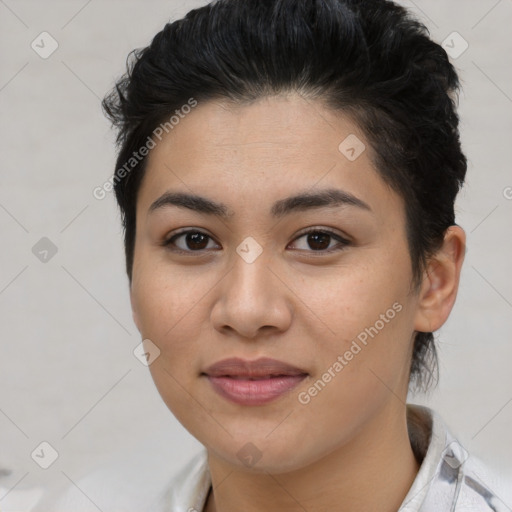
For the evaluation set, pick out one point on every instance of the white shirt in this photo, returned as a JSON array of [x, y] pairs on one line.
[[449, 480]]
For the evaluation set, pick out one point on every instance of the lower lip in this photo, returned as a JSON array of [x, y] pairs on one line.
[[254, 392]]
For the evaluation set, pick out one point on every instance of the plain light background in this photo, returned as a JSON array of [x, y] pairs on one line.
[[68, 375]]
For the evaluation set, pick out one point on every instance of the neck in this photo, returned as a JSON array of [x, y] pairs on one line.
[[374, 471]]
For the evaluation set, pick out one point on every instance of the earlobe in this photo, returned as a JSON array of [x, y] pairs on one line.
[[440, 283]]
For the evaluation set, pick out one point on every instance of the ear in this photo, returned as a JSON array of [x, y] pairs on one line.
[[440, 283]]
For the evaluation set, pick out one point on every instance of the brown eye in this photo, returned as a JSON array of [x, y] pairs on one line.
[[190, 241], [196, 241], [320, 241]]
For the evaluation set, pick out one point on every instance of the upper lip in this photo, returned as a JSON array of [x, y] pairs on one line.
[[262, 367]]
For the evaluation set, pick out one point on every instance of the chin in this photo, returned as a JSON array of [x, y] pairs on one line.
[[260, 455]]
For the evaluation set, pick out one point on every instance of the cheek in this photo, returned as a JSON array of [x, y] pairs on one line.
[[359, 372], [168, 306], [365, 315], [164, 296], [172, 304], [346, 300]]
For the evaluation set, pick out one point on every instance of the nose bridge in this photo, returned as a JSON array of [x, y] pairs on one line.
[[251, 296], [250, 277]]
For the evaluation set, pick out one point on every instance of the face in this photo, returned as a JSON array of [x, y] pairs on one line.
[[323, 285]]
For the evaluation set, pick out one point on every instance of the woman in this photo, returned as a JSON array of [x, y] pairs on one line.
[[287, 172]]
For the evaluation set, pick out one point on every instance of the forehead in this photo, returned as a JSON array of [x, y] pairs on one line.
[[252, 154]]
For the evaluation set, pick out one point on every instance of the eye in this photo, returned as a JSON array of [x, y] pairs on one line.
[[190, 241], [315, 240], [319, 240]]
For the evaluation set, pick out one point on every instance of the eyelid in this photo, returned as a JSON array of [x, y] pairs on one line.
[[168, 241], [344, 241], [322, 229], [183, 231]]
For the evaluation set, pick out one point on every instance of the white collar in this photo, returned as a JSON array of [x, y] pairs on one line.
[[446, 480]]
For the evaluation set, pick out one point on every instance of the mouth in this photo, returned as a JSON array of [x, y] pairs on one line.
[[253, 382], [244, 377]]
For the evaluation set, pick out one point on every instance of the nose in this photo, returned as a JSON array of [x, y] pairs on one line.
[[252, 301]]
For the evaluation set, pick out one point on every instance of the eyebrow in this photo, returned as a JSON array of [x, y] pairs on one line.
[[302, 202]]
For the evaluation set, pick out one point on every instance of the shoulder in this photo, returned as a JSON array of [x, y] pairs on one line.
[[482, 488], [120, 487], [101, 489], [189, 488], [450, 478]]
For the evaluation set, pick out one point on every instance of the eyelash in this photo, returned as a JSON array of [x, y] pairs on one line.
[[342, 242]]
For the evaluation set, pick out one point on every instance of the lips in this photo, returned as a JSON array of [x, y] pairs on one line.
[[253, 382], [258, 369]]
